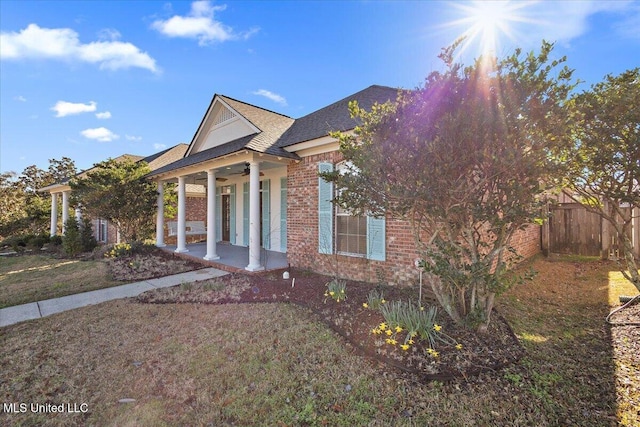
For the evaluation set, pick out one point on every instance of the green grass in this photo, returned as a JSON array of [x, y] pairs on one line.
[[30, 278]]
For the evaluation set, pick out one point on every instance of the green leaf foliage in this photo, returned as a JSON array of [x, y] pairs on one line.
[[467, 159], [604, 159], [118, 191]]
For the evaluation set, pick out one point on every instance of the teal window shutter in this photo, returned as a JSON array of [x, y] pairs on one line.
[[283, 214], [266, 214], [325, 211], [245, 214], [232, 220], [375, 238], [218, 214]]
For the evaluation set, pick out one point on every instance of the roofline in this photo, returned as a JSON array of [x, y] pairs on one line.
[[221, 98]]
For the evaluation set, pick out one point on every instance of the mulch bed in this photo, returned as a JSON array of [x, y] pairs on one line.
[[496, 349]]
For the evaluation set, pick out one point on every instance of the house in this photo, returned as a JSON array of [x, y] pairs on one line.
[[104, 231], [260, 170]]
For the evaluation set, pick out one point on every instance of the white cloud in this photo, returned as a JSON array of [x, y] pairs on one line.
[[20, 98], [64, 108], [133, 138], [99, 134], [272, 96], [104, 115], [63, 44], [200, 24], [159, 146]]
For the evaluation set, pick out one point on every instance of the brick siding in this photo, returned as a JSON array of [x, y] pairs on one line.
[[399, 267], [196, 208]]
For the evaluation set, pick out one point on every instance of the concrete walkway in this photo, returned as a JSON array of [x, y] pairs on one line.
[[36, 310]]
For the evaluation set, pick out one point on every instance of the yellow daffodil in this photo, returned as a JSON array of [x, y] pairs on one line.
[[398, 329], [365, 305], [383, 326], [435, 354], [411, 342], [332, 293], [437, 327], [405, 347], [388, 332], [376, 331], [382, 301], [459, 346]]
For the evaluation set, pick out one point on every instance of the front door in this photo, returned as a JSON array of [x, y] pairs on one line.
[[226, 218]]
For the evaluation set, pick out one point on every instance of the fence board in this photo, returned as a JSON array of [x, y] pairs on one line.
[[574, 230]]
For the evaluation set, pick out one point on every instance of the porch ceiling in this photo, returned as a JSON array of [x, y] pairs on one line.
[[227, 167]]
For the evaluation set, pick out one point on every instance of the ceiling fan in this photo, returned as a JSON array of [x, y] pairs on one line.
[[247, 171]]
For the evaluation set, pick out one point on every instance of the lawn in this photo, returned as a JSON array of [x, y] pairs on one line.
[[31, 278], [278, 364]]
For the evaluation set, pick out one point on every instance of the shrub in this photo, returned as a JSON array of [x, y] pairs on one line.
[[56, 240], [72, 239], [86, 236]]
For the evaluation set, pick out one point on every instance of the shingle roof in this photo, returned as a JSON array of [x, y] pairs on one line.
[[335, 117], [165, 157], [278, 131]]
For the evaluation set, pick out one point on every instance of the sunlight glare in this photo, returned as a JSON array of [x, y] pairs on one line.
[[486, 23]]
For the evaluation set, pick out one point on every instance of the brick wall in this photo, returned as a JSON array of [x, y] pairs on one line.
[[398, 269], [196, 208]]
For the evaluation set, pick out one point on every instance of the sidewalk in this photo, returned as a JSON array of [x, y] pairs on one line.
[[36, 310]]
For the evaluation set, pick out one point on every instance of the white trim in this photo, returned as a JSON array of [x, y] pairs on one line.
[[205, 121], [315, 143]]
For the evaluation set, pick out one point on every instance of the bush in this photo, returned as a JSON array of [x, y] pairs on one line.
[[87, 238], [26, 241], [72, 239]]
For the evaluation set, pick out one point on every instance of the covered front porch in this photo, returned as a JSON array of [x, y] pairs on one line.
[[233, 258]]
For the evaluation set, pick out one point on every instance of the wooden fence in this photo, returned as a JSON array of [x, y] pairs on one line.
[[572, 229]]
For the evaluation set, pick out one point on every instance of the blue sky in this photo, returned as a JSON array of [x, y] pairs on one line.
[[92, 80]]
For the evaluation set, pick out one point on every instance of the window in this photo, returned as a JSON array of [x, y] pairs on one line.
[[101, 230], [351, 230], [341, 232]]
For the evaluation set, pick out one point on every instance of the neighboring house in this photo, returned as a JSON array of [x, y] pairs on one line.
[[104, 231], [260, 171]]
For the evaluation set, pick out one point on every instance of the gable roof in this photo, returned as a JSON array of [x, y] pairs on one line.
[[336, 116], [271, 126], [277, 131]]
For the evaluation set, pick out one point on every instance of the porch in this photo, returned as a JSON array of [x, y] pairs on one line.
[[233, 258]]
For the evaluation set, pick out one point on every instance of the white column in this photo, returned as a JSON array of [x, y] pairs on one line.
[[54, 213], [636, 231], [78, 212], [211, 216], [65, 210], [160, 217], [254, 217], [182, 216]]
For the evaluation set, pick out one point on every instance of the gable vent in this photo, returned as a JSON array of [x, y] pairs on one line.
[[223, 116]]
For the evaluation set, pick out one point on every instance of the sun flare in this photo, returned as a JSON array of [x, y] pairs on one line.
[[486, 23]]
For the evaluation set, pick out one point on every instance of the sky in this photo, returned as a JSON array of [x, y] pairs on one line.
[[90, 80]]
